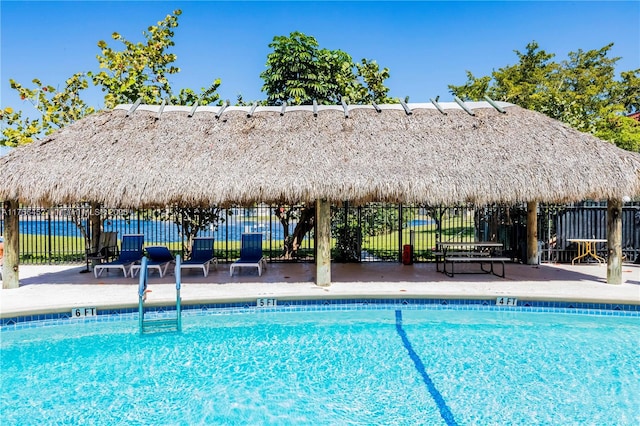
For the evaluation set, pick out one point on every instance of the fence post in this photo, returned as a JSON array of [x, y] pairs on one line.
[[226, 235], [532, 233], [94, 228], [400, 233], [49, 237]]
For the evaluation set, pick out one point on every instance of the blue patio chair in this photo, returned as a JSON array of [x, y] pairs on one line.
[[159, 258], [250, 254], [130, 253], [201, 256]]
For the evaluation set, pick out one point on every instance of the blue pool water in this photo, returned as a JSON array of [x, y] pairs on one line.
[[334, 367]]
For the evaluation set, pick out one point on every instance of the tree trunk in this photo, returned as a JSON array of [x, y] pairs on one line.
[[305, 224]]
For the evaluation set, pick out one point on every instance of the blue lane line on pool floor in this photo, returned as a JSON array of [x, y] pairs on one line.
[[437, 397]]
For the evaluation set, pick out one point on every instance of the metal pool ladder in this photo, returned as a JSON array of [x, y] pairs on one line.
[[159, 324]]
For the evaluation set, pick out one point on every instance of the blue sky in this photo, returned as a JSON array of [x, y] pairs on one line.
[[425, 44]]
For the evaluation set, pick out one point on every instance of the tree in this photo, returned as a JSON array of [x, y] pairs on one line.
[[138, 71], [305, 215], [373, 78], [141, 70], [580, 91], [190, 221], [629, 90], [57, 108], [623, 131], [299, 72]]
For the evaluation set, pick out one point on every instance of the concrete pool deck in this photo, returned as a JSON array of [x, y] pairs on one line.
[[59, 288]]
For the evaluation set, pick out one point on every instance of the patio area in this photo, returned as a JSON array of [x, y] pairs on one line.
[[52, 289]]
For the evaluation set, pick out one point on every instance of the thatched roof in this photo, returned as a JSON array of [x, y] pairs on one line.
[[158, 156]]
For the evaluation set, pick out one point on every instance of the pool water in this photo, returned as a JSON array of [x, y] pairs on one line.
[[334, 367]]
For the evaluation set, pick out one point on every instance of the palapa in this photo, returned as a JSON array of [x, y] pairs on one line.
[[241, 155]]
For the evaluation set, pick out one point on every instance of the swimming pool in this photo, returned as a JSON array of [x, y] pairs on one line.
[[336, 367]]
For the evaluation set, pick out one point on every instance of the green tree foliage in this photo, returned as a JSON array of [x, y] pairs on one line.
[[373, 78], [629, 90], [581, 91], [299, 72], [138, 71], [57, 108], [624, 131], [141, 70], [190, 221]]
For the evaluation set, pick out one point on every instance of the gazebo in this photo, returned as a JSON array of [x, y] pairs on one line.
[[140, 156]]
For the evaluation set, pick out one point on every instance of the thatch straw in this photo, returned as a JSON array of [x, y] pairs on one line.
[[141, 160]]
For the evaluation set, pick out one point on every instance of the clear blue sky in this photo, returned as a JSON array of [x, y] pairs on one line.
[[426, 45]]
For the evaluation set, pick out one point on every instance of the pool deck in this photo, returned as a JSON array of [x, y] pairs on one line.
[[59, 288]]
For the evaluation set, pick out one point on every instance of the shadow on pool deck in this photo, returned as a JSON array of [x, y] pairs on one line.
[[57, 288]]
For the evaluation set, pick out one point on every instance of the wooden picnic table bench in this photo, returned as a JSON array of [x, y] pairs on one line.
[[469, 252], [482, 260]]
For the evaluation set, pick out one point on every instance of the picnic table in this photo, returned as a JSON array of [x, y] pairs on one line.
[[482, 252]]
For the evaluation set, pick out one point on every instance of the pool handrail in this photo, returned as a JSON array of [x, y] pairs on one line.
[[178, 299], [142, 289]]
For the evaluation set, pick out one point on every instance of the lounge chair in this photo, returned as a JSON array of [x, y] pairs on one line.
[[250, 254], [107, 249], [130, 253], [159, 258], [201, 256]]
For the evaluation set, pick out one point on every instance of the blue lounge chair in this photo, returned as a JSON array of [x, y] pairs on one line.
[[159, 258], [201, 256], [130, 253], [250, 254]]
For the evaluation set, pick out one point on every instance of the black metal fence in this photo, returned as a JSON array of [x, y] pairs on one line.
[[373, 232], [557, 224]]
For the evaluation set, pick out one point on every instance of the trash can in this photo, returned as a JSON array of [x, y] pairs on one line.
[[407, 254]]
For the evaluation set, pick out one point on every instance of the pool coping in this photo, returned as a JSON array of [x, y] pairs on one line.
[[58, 290], [502, 304]]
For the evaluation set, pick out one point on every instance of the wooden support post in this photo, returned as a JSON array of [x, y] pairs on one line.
[[532, 233], [10, 262], [323, 243], [614, 241]]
